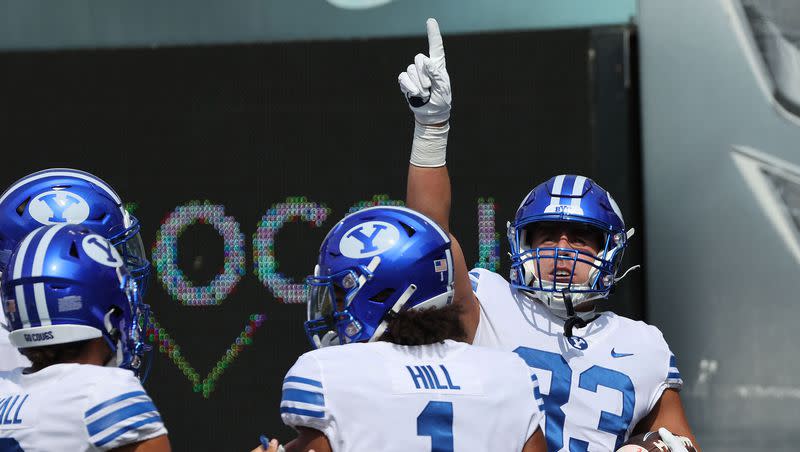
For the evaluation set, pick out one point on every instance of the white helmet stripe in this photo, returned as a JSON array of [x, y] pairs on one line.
[[38, 267], [64, 172], [577, 190], [22, 307], [41, 304], [450, 269]]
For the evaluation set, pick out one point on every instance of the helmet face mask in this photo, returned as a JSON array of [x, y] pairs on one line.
[[131, 247], [328, 306], [567, 245], [134, 334], [372, 265]]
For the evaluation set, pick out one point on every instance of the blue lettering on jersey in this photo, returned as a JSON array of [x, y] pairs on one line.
[[449, 381], [417, 377], [430, 379], [11, 404]]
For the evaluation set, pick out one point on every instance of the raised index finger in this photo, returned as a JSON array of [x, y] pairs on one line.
[[435, 44]]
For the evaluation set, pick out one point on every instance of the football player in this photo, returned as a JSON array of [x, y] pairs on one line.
[[398, 376], [75, 312], [603, 376], [61, 196]]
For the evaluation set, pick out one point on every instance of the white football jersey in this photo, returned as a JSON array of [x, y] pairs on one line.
[[441, 397], [10, 357], [74, 407], [597, 387]]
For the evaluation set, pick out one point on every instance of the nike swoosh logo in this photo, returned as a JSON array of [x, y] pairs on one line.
[[619, 355]]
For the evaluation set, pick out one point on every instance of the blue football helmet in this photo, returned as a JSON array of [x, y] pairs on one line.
[[65, 283], [548, 273], [60, 196], [372, 265]]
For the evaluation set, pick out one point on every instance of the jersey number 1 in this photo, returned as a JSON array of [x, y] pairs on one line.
[[11, 445], [436, 421]]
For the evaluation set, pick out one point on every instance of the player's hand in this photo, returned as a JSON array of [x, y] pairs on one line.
[[674, 443], [272, 446], [426, 83]]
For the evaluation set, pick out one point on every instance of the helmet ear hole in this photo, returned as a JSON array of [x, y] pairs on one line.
[[383, 295], [409, 230], [100, 217], [73, 251], [21, 207]]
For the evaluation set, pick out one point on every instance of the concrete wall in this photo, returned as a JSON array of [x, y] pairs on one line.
[[720, 160]]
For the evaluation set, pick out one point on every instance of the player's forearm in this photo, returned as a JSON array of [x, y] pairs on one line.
[[428, 192], [668, 412]]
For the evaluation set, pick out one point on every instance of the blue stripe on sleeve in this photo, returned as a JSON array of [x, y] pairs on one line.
[[307, 381], [674, 375], [475, 274], [119, 415], [116, 399], [474, 285], [672, 361], [299, 395], [124, 430], [302, 412]]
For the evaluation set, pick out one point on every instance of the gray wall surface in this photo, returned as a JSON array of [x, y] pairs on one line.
[[720, 165], [56, 24]]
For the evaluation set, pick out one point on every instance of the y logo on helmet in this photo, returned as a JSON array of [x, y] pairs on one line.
[[59, 206], [98, 248], [369, 239]]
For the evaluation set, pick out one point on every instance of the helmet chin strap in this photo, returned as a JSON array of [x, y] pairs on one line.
[[572, 319]]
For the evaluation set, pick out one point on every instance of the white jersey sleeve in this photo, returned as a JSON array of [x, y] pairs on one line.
[[667, 365], [120, 412], [10, 357], [303, 397], [75, 407], [538, 415]]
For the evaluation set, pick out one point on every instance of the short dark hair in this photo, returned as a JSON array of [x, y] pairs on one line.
[[48, 355], [426, 326]]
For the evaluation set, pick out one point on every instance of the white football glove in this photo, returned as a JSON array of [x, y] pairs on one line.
[[675, 443], [426, 83]]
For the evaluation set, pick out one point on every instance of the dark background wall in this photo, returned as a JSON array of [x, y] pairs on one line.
[[253, 129]]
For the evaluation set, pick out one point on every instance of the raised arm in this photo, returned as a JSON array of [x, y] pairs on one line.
[[426, 85]]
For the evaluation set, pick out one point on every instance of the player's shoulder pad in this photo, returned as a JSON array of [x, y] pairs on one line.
[[646, 334], [118, 410], [479, 276], [303, 401], [652, 340]]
